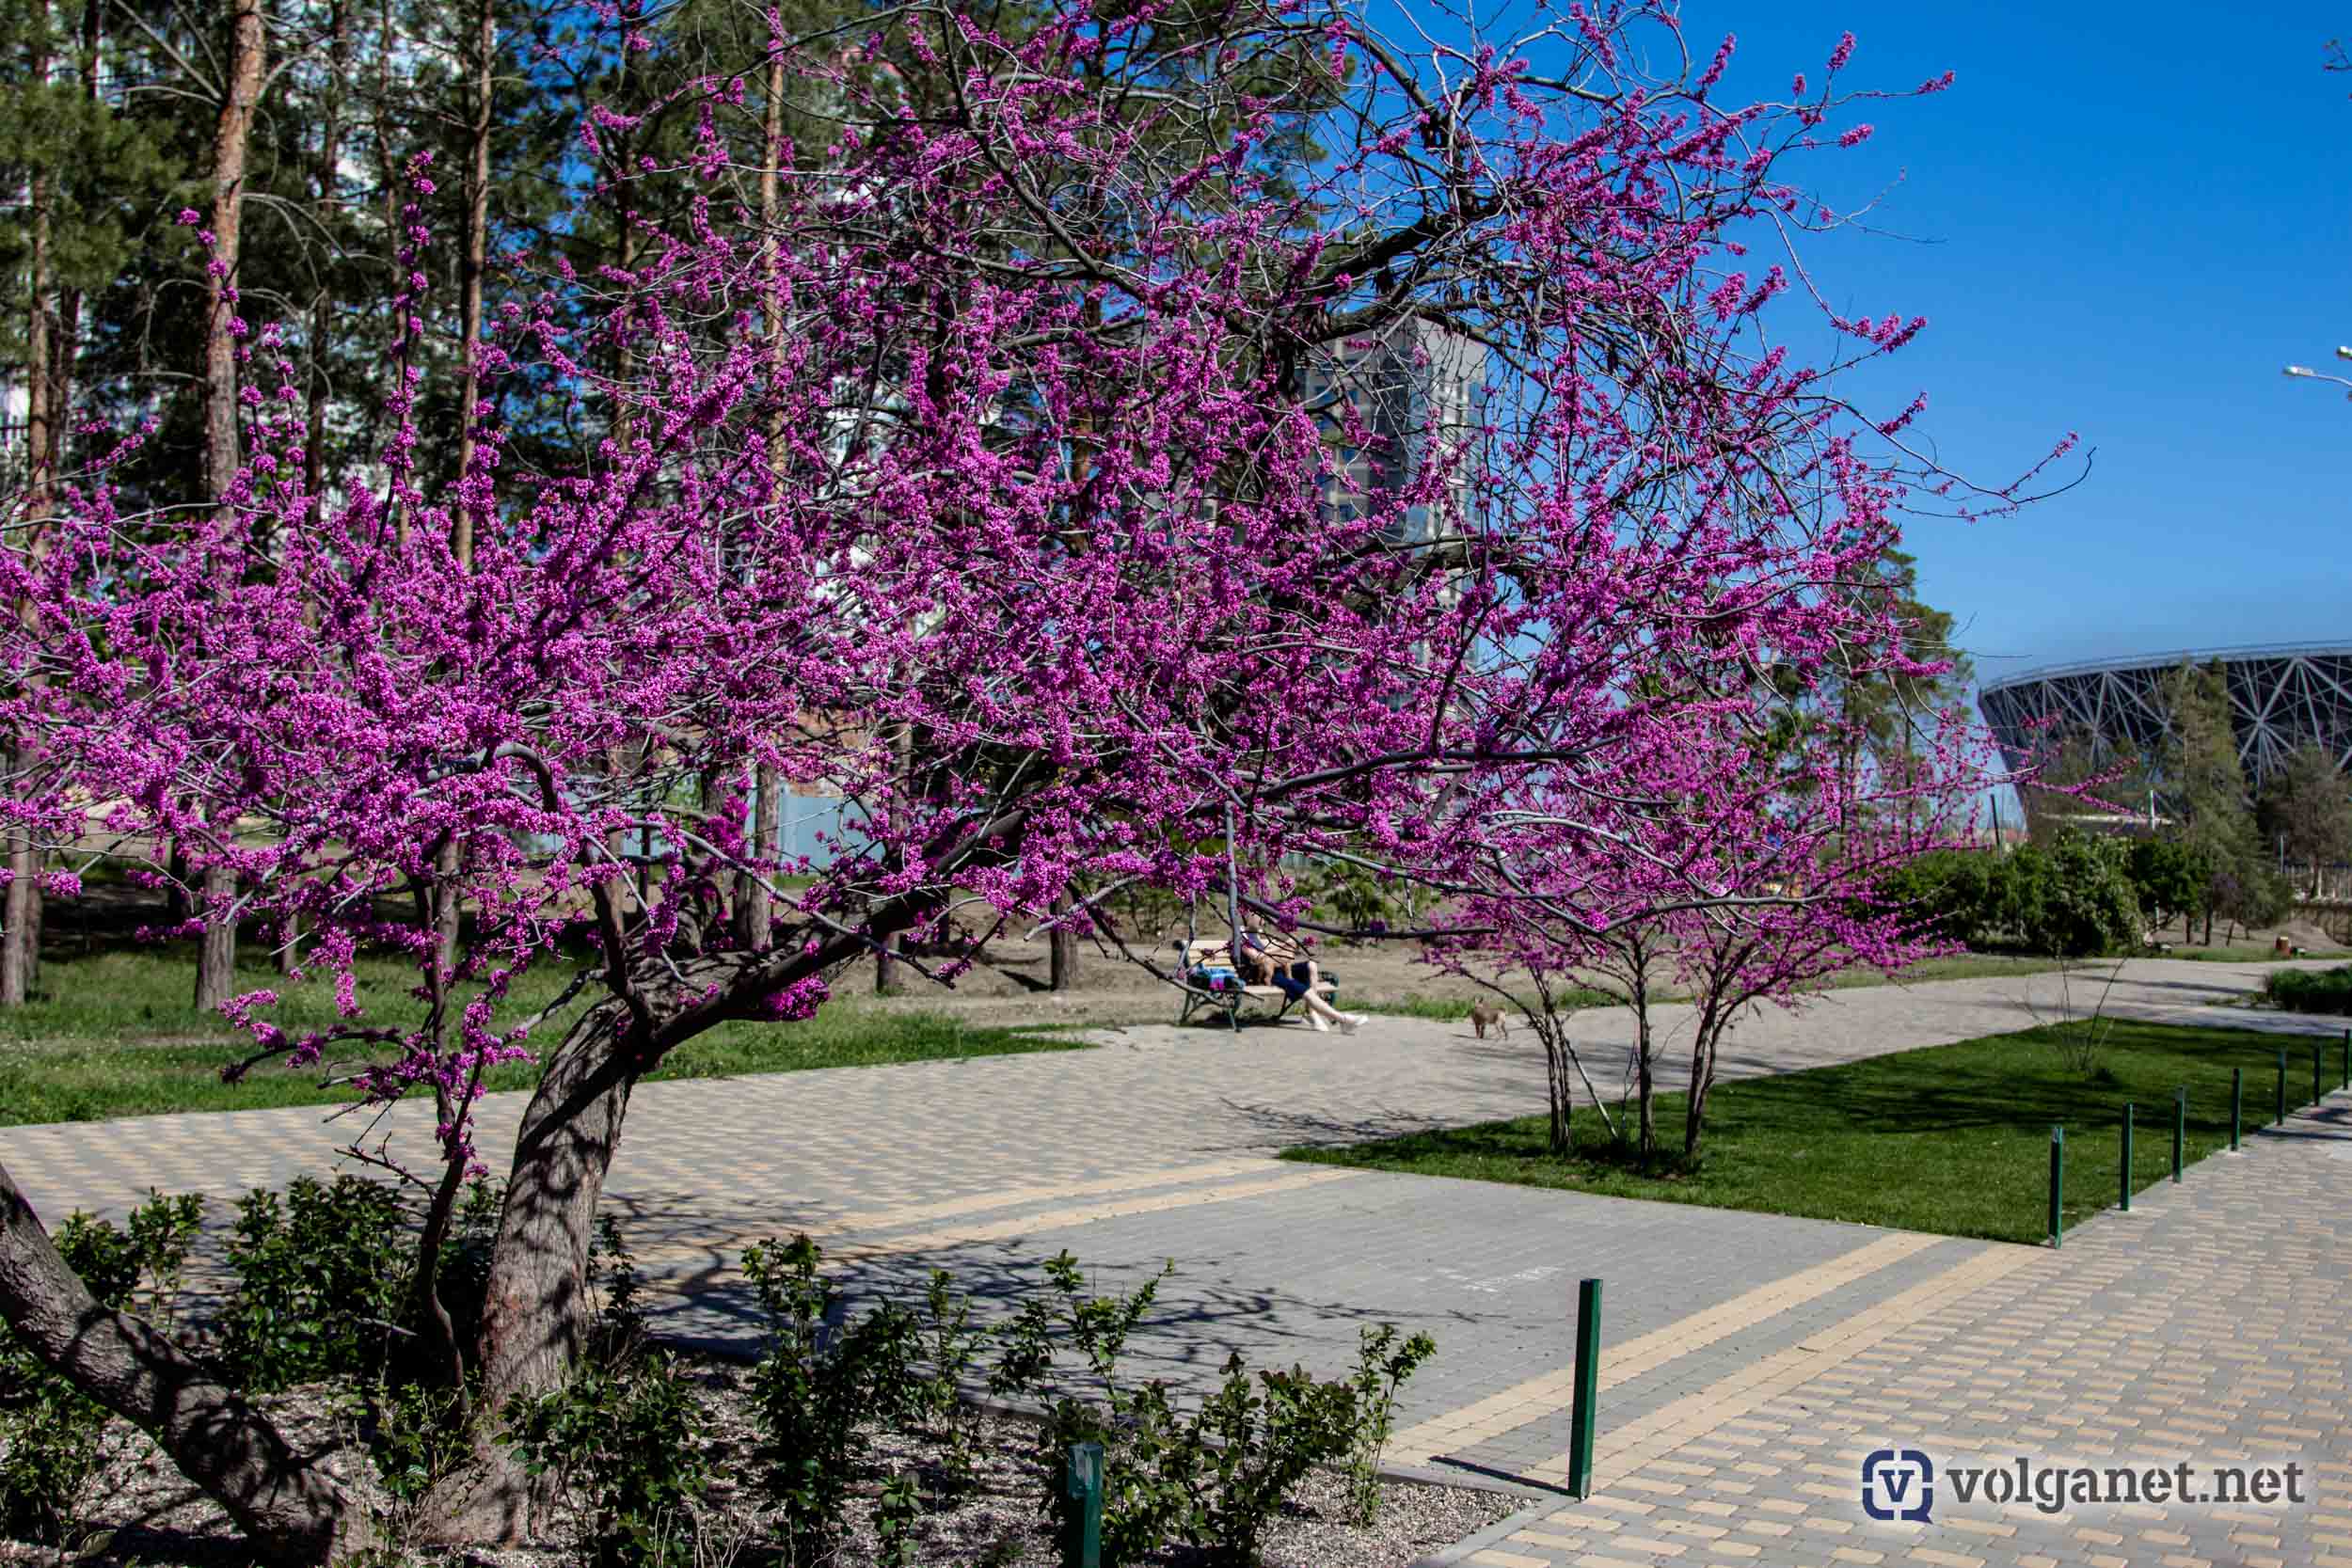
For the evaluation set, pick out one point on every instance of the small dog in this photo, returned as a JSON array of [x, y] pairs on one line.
[[1483, 1014]]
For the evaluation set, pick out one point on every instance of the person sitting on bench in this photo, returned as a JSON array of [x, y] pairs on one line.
[[1275, 961]]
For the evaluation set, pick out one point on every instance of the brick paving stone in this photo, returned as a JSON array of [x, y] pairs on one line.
[[1763, 1356]]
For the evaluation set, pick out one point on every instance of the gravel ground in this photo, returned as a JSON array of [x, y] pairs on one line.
[[140, 1513]]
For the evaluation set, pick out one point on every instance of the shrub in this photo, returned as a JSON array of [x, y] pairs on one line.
[[1382, 1366], [1216, 1479], [814, 1389], [2169, 878], [627, 1442], [320, 1283], [53, 1439], [2311, 990], [1950, 892], [2072, 900]]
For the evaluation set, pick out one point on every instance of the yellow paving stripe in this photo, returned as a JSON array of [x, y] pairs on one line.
[[1006, 1198], [1547, 1395], [1692, 1417], [841, 1250], [1064, 1219]]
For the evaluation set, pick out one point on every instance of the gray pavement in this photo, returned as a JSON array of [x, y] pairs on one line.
[[1751, 1350]]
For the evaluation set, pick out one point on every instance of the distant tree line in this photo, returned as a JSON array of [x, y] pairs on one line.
[[2210, 847]]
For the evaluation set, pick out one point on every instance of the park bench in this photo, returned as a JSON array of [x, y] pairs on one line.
[[1210, 979]]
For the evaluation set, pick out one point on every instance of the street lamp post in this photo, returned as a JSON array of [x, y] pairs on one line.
[[2305, 372]]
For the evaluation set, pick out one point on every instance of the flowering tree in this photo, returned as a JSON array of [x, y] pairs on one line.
[[1739, 857], [977, 475]]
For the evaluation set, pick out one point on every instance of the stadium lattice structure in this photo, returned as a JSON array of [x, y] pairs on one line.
[[2282, 697]]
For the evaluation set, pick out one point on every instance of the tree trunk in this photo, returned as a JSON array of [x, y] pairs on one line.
[[215, 971], [216, 959], [19, 920], [1558, 1091], [18, 941], [1707, 1030], [293, 1513], [535, 1310], [230, 137], [754, 921], [1062, 950], [1646, 1078], [470, 294]]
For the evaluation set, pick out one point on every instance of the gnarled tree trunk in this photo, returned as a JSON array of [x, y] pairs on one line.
[[293, 1511]]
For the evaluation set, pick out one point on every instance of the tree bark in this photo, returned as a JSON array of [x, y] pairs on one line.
[[534, 1315], [216, 970], [470, 291], [18, 921], [753, 919], [216, 955], [293, 1513], [1646, 1069], [1062, 950], [1706, 1031]]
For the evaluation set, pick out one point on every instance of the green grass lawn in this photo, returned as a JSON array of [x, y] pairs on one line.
[[1952, 1138], [1960, 966], [113, 1035], [2250, 953]]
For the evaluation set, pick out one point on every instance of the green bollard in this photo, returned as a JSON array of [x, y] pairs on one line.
[[2283, 1086], [2180, 1127], [2127, 1156], [1082, 1526], [2237, 1104], [2058, 1187], [1581, 1413]]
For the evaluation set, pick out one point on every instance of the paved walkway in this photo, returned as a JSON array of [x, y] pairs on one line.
[[1743, 1351], [2206, 1327]]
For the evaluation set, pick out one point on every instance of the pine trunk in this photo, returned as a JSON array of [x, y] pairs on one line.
[[292, 1512], [469, 292], [216, 970], [19, 918]]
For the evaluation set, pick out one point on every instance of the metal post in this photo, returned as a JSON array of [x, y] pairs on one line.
[[1082, 1530], [2237, 1102], [2180, 1127], [2347, 1058], [2318, 1068], [2058, 1186], [2127, 1156], [1581, 1413], [2283, 1085]]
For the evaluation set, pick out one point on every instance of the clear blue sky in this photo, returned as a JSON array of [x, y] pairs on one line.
[[2122, 221]]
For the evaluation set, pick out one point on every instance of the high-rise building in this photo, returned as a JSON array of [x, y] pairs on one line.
[[1415, 390]]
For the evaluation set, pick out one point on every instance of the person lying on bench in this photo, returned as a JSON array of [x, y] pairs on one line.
[[1275, 961]]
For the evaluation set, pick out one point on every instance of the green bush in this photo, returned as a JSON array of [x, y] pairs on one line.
[[815, 1389], [52, 1439], [627, 1442], [1217, 1477], [321, 1281], [2311, 990], [1950, 892], [2073, 899], [2169, 878]]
